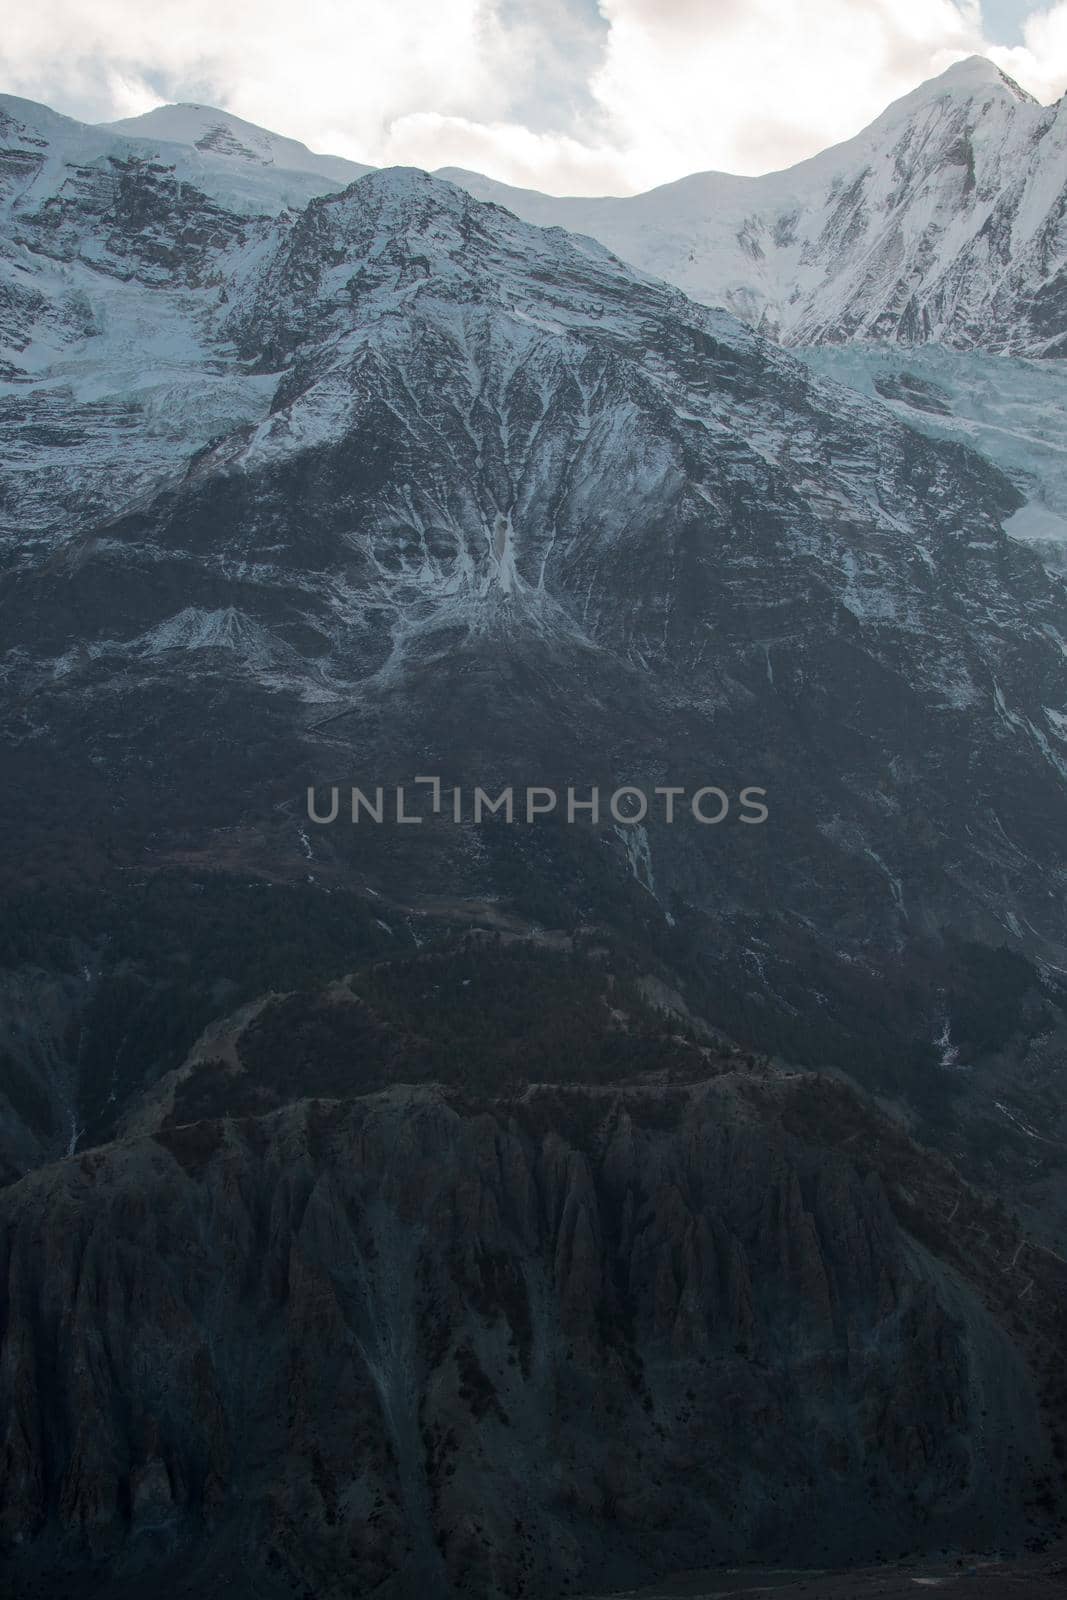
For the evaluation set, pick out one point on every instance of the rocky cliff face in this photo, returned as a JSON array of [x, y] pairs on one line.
[[566, 1340]]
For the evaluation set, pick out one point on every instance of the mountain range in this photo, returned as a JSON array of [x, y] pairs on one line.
[[939, 228], [347, 1167], [944, 220]]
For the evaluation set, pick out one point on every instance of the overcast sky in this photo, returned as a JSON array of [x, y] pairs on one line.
[[571, 96]]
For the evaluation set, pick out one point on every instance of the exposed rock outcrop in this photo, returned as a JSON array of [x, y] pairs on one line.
[[507, 1348]]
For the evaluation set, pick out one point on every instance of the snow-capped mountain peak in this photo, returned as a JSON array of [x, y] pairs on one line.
[[245, 169], [943, 220], [972, 74], [211, 130]]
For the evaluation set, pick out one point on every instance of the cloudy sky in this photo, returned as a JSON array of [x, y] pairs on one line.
[[572, 96]]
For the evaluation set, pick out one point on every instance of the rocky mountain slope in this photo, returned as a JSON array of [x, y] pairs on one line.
[[512, 1344], [394, 484], [486, 503]]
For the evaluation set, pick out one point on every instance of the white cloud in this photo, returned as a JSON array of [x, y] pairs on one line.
[[319, 64], [507, 151], [1040, 62], [548, 93], [758, 84]]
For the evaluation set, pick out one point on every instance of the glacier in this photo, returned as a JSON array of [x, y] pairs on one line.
[[1011, 409]]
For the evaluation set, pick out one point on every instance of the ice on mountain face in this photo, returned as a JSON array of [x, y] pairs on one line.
[[43, 147], [1044, 528], [113, 371], [112, 392], [1013, 411]]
